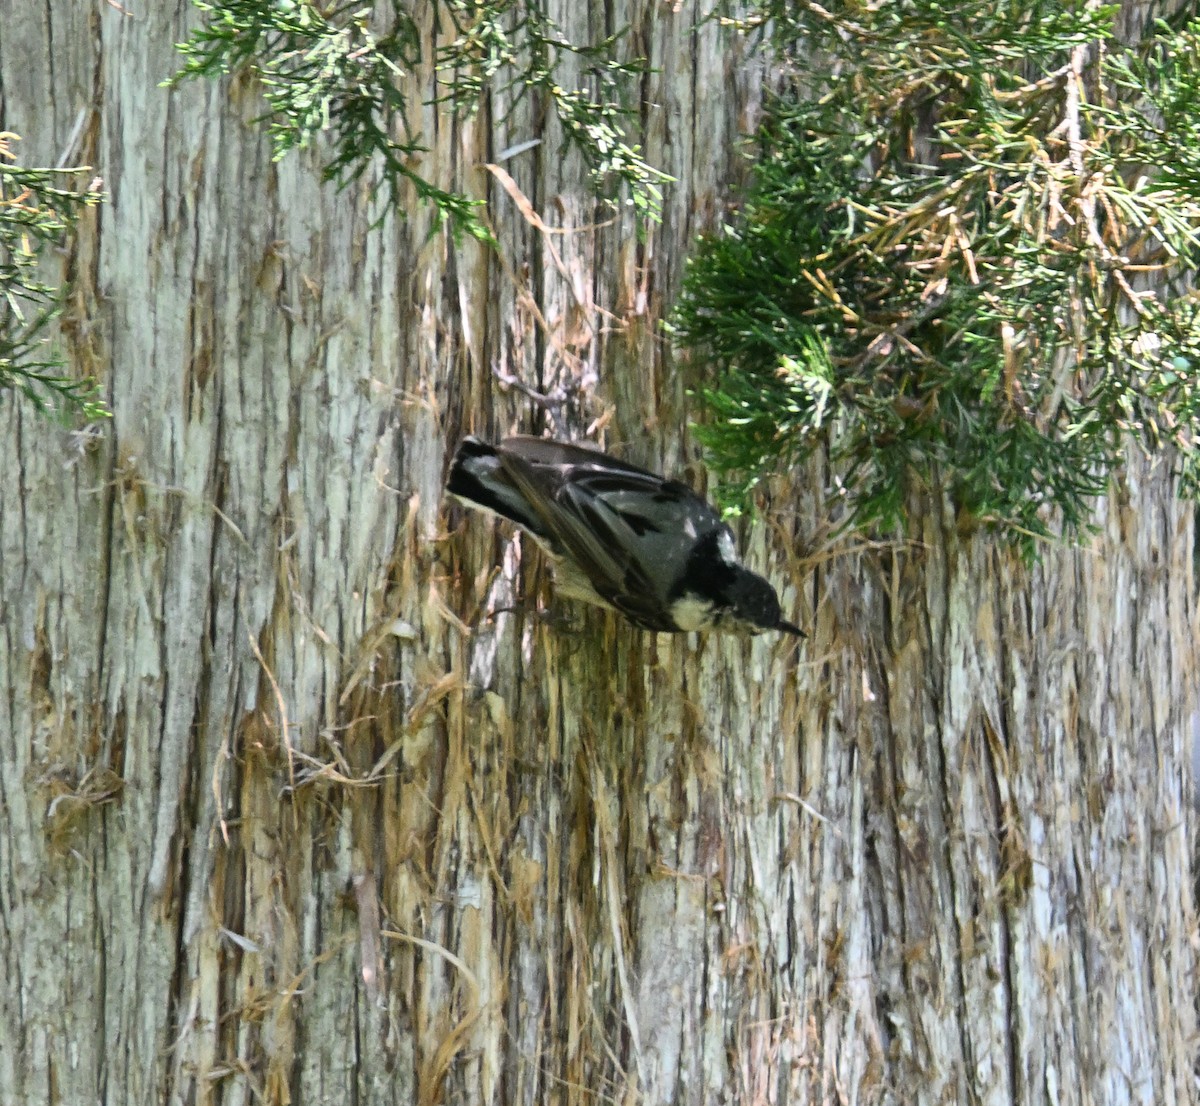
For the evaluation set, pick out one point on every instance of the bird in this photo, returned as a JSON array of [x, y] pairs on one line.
[[620, 537]]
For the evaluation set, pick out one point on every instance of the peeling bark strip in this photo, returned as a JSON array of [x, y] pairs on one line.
[[293, 809]]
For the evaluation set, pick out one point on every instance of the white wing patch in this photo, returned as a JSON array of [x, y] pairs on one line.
[[726, 550]]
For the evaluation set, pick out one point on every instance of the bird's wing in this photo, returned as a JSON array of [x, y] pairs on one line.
[[628, 530], [542, 452]]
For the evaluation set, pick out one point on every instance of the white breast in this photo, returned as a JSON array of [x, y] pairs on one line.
[[692, 613]]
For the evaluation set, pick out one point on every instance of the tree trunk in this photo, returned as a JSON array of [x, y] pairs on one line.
[[293, 808]]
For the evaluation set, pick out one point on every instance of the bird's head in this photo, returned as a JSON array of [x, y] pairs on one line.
[[753, 605]]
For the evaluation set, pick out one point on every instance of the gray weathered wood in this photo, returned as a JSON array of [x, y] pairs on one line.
[[292, 810]]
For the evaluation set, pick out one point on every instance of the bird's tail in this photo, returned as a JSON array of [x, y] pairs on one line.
[[477, 476]]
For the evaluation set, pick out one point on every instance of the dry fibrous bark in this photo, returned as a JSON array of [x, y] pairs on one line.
[[292, 808]]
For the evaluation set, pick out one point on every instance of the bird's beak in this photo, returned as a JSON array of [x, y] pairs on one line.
[[790, 628]]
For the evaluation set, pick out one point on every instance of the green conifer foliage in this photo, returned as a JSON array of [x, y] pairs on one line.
[[962, 266]]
